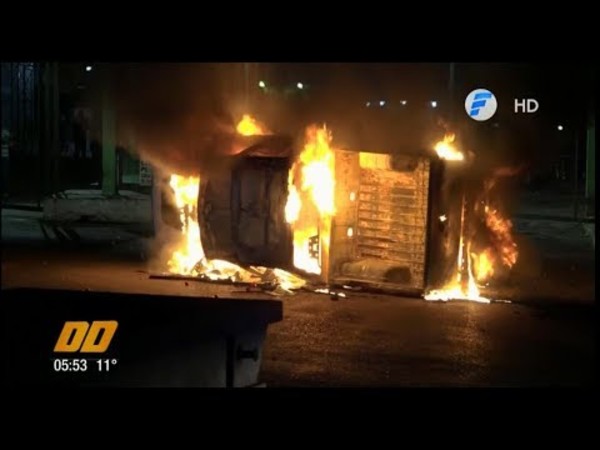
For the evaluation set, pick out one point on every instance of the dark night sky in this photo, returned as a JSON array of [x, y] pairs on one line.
[[559, 86], [172, 102]]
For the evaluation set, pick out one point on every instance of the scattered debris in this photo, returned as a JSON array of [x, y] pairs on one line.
[[279, 290], [334, 295], [255, 279]]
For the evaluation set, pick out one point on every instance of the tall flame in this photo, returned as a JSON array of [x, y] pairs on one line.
[[316, 162], [501, 232], [462, 285], [249, 126], [311, 200], [472, 267], [190, 252]]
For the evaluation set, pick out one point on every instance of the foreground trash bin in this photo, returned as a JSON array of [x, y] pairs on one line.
[[75, 338]]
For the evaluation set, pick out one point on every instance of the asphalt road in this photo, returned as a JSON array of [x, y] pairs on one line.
[[365, 340]]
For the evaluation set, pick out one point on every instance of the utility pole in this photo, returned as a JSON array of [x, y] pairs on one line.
[[50, 119]]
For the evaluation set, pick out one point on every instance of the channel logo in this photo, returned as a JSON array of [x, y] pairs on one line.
[[481, 105], [81, 337]]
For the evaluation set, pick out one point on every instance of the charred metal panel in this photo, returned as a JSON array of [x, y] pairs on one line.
[[215, 216], [242, 210], [380, 232], [259, 194]]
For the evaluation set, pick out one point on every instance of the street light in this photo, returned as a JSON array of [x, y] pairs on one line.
[[382, 103], [88, 68], [262, 84], [434, 104], [368, 104], [403, 102], [560, 128], [300, 85]]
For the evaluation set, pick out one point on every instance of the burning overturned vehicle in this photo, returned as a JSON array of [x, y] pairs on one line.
[[311, 216], [183, 208]]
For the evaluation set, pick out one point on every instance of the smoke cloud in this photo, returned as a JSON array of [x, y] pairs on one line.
[[183, 116], [177, 114]]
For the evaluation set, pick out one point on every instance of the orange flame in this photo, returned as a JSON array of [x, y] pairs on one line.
[[311, 199], [462, 285], [249, 126], [479, 267], [501, 231], [189, 252], [445, 149], [293, 205], [483, 264]]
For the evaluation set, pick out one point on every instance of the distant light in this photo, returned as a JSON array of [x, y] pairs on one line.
[[560, 128], [434, 104], [443, 218], [368, 104], [300, 86], [350, 232], [403, 102], [88, 68], [262, 84], [382, 103]]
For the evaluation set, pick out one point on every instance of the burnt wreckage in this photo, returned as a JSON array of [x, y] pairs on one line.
[[382, 234]]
